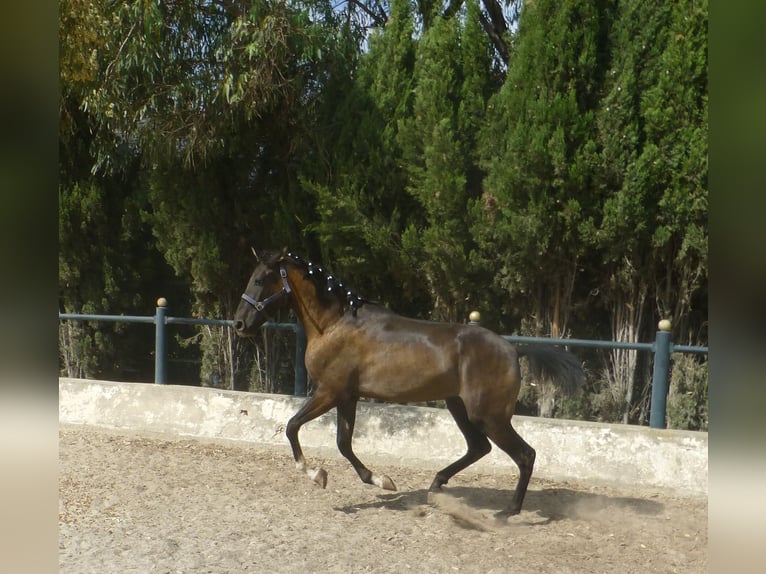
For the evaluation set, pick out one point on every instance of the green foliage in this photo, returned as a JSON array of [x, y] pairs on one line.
[[553, 177], [676, 119], [273, 371], [193, 115], [687, 404], [104, 267], [538, 151], [405, 167], [652, 178], [653, 134], [438, 142], [362, 207]]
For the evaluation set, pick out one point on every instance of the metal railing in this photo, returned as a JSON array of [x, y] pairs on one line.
[[161, 319], [661, 348]]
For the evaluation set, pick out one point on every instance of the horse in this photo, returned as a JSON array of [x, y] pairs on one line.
[[356, 348]]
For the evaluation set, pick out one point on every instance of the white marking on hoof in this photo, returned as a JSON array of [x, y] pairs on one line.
[[319, 476], [383, 482]]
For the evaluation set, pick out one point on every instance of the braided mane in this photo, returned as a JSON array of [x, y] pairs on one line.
[[327, 284]]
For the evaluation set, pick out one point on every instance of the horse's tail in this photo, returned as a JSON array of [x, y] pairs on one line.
[[556, 364]]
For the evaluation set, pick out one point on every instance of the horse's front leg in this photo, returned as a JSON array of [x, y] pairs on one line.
[[346, 419], [315, 406]]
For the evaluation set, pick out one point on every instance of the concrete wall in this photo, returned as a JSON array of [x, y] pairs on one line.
[[621, 455]]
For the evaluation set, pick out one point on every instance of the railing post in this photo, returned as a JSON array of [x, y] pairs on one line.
[[159, 342], [300, 361], [660, 385]]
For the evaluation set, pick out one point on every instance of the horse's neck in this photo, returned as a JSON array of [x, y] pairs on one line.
[[316, 319]]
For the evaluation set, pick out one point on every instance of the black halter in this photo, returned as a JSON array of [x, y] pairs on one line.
[[261, 305]]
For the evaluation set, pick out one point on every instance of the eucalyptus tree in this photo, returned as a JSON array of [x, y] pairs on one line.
[[208, 104], [104, 261]]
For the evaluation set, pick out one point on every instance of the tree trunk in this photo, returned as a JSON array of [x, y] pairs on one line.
[[626, 317]]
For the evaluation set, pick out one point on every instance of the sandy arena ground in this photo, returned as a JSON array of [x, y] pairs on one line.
[[145, 504]]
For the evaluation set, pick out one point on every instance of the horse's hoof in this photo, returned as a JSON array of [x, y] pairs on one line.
[[507, 513], [383, 482], [320, 477], [388, 484], [436, 485]]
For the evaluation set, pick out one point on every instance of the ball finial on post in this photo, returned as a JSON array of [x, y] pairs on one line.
[[474, 317], [162, 302], [665, 325]]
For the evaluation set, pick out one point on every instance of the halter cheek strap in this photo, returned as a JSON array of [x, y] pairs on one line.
[[261, 305]]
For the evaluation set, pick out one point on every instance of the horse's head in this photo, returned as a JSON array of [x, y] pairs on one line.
[[267, 286]]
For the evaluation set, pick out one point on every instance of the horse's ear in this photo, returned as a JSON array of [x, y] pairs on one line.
[[257, 258], [283, 253]]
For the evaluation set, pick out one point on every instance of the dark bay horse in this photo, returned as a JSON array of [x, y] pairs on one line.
[[356, 348]]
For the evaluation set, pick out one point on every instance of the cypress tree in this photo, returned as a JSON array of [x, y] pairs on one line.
[[538, 151], [451, 78], [652, 127], [361, 198]]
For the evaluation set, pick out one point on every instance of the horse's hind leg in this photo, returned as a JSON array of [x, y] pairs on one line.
[[477, 442], [505, 436], [315, 406], [346, 419]]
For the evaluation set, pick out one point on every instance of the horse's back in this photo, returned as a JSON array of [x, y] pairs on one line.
[[407, 360], [389, 357]]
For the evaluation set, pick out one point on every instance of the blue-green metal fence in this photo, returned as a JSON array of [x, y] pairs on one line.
[[161, 319], [661, 348]]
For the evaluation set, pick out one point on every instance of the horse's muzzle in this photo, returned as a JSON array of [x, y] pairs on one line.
[[242, 330]]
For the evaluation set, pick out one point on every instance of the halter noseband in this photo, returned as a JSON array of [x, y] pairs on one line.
[[261, 305]]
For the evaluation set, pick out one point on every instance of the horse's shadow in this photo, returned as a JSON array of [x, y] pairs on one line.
[[549, 504]]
